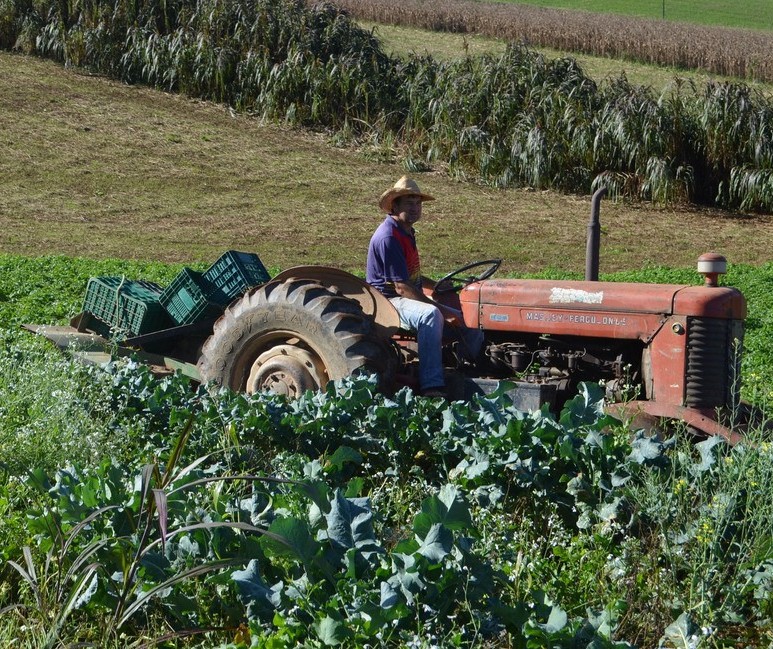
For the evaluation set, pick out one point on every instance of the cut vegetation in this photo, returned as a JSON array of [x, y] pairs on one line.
[[518, 119]]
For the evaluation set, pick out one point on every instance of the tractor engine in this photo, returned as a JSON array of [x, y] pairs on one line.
[[565, 362]]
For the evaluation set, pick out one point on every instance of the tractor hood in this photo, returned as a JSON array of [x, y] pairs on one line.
[[588, 296], [571, 305]]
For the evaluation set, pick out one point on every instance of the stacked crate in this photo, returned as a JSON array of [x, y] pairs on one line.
[[126, 308], [193, 296]]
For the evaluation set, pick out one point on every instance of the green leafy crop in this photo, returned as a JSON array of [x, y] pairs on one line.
[[131, 504]]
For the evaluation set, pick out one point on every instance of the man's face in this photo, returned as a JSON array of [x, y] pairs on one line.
[[407, 209]]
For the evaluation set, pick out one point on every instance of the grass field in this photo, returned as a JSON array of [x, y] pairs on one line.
[[752, 14], [95, 168]]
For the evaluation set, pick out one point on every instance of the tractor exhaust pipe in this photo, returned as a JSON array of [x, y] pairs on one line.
[[594, 238]]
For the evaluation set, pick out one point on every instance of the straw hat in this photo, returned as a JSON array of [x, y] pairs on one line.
[[403, 187]]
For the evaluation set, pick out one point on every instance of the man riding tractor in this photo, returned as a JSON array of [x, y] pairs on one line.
[[394, 269]]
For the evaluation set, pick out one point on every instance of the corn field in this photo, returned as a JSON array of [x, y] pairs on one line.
[[518, 119], [742, 53]]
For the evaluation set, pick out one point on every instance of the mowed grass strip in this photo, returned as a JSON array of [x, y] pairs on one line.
[[95, 168], [750, 14], [401, 40]]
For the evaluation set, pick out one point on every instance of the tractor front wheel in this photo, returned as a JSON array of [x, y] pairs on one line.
[[290, 337]]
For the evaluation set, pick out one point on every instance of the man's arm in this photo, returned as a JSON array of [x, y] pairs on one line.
[[405, 289]]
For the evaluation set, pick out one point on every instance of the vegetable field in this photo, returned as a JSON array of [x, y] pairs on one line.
[[138, 511]]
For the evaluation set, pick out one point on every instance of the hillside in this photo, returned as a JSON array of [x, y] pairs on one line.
[[719, 49], [97, 168]]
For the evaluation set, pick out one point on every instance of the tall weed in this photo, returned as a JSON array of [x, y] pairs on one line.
[[710, 518]]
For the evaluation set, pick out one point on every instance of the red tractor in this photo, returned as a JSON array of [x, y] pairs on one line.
[[662, 351]]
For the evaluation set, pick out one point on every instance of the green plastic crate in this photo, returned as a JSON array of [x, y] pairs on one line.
[[235, 272], [191, 298], [126, 307]]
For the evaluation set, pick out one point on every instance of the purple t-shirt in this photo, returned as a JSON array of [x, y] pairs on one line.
[[392, 257]]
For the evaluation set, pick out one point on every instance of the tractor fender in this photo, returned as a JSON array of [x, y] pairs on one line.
[[374, 305]]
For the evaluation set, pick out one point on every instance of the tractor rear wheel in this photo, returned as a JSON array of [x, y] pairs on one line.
[[290, 337]]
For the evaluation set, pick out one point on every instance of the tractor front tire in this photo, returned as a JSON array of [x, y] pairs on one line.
[[290, 337]]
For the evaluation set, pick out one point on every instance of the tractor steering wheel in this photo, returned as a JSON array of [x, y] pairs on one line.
[[454, 283]]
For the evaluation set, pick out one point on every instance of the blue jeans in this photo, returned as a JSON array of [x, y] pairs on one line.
[[427, 321]]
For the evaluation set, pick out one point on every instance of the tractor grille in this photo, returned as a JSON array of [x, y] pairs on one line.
[[713, 362]]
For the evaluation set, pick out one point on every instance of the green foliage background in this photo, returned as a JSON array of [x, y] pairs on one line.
[[512, 120]]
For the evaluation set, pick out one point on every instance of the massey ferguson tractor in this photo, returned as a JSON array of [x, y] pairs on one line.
[[662, 351]]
